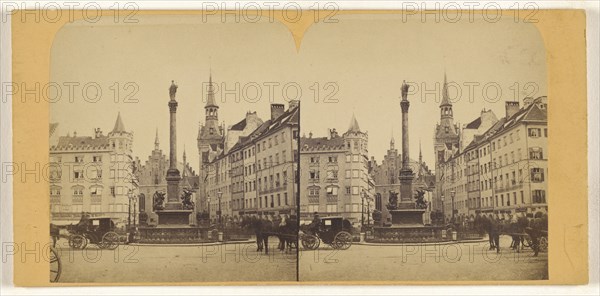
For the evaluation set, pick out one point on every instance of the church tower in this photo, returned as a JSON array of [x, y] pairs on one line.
[[446, 140], [210, 135]]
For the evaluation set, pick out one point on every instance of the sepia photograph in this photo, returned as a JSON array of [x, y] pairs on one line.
[[178, 152], [175, 159], [430, 163], [311, 147]]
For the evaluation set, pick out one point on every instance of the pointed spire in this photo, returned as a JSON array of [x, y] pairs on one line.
[[354, 125], [183, 172], [156, 143], [119, 127], [210, 97], [420, 153], [445, 97], [392, 140]]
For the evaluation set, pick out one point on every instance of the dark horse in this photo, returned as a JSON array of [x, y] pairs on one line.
[[287, 233], [262, 229], [493, 228]]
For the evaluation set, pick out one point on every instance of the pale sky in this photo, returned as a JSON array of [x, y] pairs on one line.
[[365, 57]]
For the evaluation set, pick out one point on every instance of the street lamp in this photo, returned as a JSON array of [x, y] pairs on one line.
[[219, 195], [452, 194], [362, 209], [443, 208], [209, 213], [130, 197], [134, 210], [368, 212]]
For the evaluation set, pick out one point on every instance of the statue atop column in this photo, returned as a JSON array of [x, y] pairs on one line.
[[172, 90]]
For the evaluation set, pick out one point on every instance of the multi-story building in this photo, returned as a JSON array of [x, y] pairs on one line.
[[276, 157], [218, 186], [256, 175], [335, 174], [151, 178], [502, 170], [454, 180], [78, 179]]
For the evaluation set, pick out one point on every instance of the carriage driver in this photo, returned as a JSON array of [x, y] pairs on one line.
[[315, 224]]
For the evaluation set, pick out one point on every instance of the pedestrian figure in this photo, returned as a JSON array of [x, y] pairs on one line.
[[495, 233], [55, 233], [534, 233]]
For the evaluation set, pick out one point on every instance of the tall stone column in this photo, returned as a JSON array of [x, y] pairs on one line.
[[406, 174], [173, 176]]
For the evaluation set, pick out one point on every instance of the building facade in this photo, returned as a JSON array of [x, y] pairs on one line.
[[93, 174], [503, 170], [151, 179], [335, 175], [256, 175]]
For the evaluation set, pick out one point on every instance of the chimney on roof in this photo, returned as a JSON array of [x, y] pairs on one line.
[[310, 135], [293, 104], [97, 133], [512, 107], [333, 133], [277, 110], [527, 101]]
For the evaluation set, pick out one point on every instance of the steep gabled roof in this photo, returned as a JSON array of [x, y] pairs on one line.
[[531, 113], [65, 142], [240, 126], [353, 125], [119, 126], [475, 124], [289, 117], [321, 143], [53, 127]]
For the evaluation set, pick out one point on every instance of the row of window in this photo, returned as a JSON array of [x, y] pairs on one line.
[[266, 183], [273, 140], [94, 190], [333, 191], [92, 173], [506, 140], [93, 158], [502, 200], [535, 153], [333, 208], [267, 201], [502, 181], [78, 208], [314, 175]]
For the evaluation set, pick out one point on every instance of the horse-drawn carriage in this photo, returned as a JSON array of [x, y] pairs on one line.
[[334, 231], [99, 231]]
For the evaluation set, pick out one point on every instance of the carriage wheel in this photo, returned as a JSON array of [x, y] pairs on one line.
[[543, 244], [342, 240], [110, 240], [310, 242], [55, 266], [77, 241]]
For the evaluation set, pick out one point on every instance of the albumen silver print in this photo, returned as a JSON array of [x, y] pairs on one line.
[[380, 148]]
